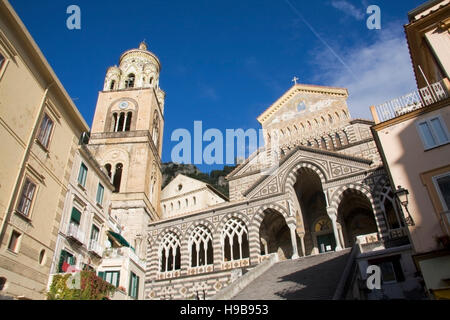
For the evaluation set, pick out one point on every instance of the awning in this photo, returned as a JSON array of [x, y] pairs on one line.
[[121, 240]]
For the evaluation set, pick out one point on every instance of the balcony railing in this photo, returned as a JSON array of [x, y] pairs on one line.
[[119, 253], [95, 248], [75, 233], [413, 101]]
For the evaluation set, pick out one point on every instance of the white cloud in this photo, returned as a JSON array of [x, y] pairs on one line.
[[348, 9], [382, 71]]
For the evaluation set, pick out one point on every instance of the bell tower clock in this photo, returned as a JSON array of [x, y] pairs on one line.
[[126, 139]]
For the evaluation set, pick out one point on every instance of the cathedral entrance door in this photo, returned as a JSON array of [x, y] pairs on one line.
[[326, 242]]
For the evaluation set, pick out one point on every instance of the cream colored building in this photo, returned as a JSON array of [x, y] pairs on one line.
[[82, 235], [185, 195], [412, 133], [40, 131]]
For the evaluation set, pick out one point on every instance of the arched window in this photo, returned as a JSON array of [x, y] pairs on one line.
[[330, 119], [338, 140], [155, 133], [171, 207], [195, 201], [344, 114], [323, 144], [129, 117], [390, 209], [113, 84], [118, 177], [338, 117], [129, 83], [187, 203], [170, 253], [235, 240], [201, 247], [114, 122], [151, 81], [332, 146], [108, 168], [164, 209], [344, 138], [179, 205]]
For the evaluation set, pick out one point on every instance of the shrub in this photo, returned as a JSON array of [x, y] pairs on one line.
[[92, 287]]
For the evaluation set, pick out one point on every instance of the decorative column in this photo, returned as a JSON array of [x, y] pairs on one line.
[[301, 235], [333, 218], [293, 228]]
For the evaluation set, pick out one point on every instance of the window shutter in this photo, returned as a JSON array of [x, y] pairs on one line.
[[130, 287], [76, 216], [101, 274]]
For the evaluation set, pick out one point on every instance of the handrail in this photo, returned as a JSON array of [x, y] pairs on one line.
[[342, 285]]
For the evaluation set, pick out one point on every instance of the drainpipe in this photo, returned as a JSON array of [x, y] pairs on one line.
[[25, 158]]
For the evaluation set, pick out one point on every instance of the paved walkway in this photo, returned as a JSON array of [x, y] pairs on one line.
[[309, 278]]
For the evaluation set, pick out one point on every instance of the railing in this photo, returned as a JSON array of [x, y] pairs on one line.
[[75, 233], [127, 253], [95, 248], [413, 101]]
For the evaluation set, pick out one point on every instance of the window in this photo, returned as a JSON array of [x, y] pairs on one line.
[[82, 176], [113, 84], [170, 253], [134, 286], [65, 260], [2, 60], [112, 277], [45, 131], [433, 132], [201, 247], [95, 233], [13, 245], [2, 283], [75, 218], [391, 269], [26, 198], [129, 83], [118, 177], [442, 184], [100, 194], [42, 257], [235, 240]]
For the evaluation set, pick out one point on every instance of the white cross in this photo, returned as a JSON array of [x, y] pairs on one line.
[[295, 80]]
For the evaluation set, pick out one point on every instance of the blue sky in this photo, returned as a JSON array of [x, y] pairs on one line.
[[225, 62]]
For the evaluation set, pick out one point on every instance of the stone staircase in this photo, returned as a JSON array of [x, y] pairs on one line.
[[309, 278]]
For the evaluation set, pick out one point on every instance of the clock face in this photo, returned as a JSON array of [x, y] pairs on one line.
[[123, 105]]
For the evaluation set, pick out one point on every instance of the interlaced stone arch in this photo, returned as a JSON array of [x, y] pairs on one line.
[[291, 176], [259, 216], [235, 229], [201, 247], [338, 195], [170, 253]]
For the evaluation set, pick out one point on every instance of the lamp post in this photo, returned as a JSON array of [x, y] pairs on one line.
[[402, 196]]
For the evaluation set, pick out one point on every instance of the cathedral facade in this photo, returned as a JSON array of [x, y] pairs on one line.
[[317, 189], [327, 190]]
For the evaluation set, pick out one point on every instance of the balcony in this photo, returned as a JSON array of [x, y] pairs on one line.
[[75, 234], [416, 100], [95, 248], [123, 253]]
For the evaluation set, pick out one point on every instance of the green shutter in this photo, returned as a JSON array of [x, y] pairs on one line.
[[118, 279], [62, 258], [76, 216], [130, 288], [101, 274], [137, 287]]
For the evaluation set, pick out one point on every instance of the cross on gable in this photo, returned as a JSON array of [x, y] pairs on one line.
[[295, 80]]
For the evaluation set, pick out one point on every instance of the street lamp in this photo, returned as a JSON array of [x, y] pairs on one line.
[[402, 196]]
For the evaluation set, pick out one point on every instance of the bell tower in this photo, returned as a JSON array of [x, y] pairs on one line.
[[126, 139]]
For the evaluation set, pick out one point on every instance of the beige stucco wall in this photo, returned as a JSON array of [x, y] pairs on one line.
[[408, 162], [26, 71]]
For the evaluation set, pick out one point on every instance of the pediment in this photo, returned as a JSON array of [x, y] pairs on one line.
[[301, 101]]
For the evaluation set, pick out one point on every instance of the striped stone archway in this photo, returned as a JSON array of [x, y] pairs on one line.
[[359, 189], [254, 236]]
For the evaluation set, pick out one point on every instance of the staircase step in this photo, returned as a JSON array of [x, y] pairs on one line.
[[307, 278]]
